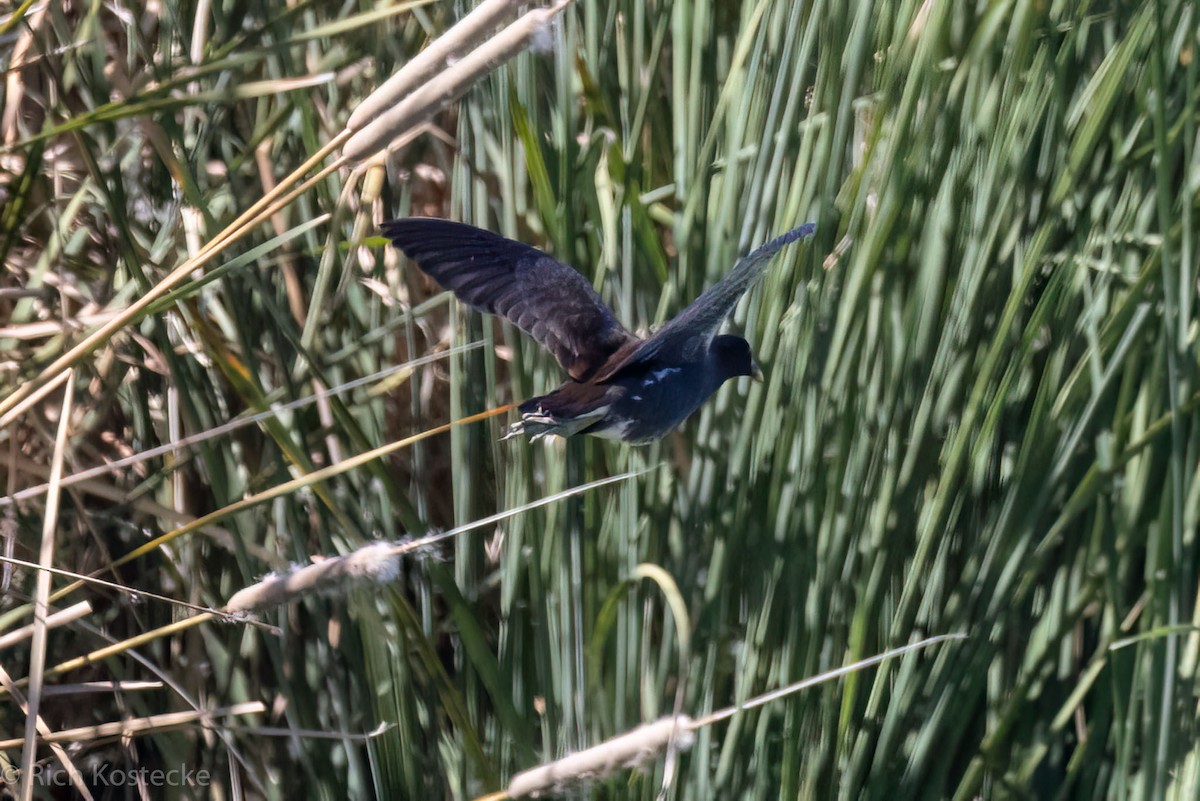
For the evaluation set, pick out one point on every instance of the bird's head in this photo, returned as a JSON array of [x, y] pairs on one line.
[[731, 355]]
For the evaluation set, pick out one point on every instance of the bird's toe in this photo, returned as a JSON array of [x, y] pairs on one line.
[[514, 430]]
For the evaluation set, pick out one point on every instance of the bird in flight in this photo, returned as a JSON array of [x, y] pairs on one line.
[[620, 386]]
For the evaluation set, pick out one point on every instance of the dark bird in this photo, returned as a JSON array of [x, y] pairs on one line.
[[620, 386]]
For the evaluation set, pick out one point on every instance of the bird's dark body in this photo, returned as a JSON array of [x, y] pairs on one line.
[[643, 401], [620, 386]]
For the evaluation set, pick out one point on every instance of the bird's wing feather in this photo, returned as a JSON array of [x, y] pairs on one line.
[[548, 300], [689, 334]]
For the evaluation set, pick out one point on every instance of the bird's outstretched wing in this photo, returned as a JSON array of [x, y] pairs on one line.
[[688, 335], [548, 300]]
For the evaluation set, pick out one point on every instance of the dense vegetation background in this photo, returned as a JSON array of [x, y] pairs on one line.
[[979, 413]]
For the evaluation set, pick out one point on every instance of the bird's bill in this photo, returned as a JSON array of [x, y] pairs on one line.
[[756, 372]]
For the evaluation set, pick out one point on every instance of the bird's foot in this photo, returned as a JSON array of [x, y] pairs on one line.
[[534, 425], [541, 423]]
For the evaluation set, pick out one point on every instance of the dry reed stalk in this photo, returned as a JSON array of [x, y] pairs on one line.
[[41, 602], [126, 645], [106, 687], [50, 328], [33, 391], [60, 618], [406, 111], [137, 726], [315, 734], [14, 79]]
